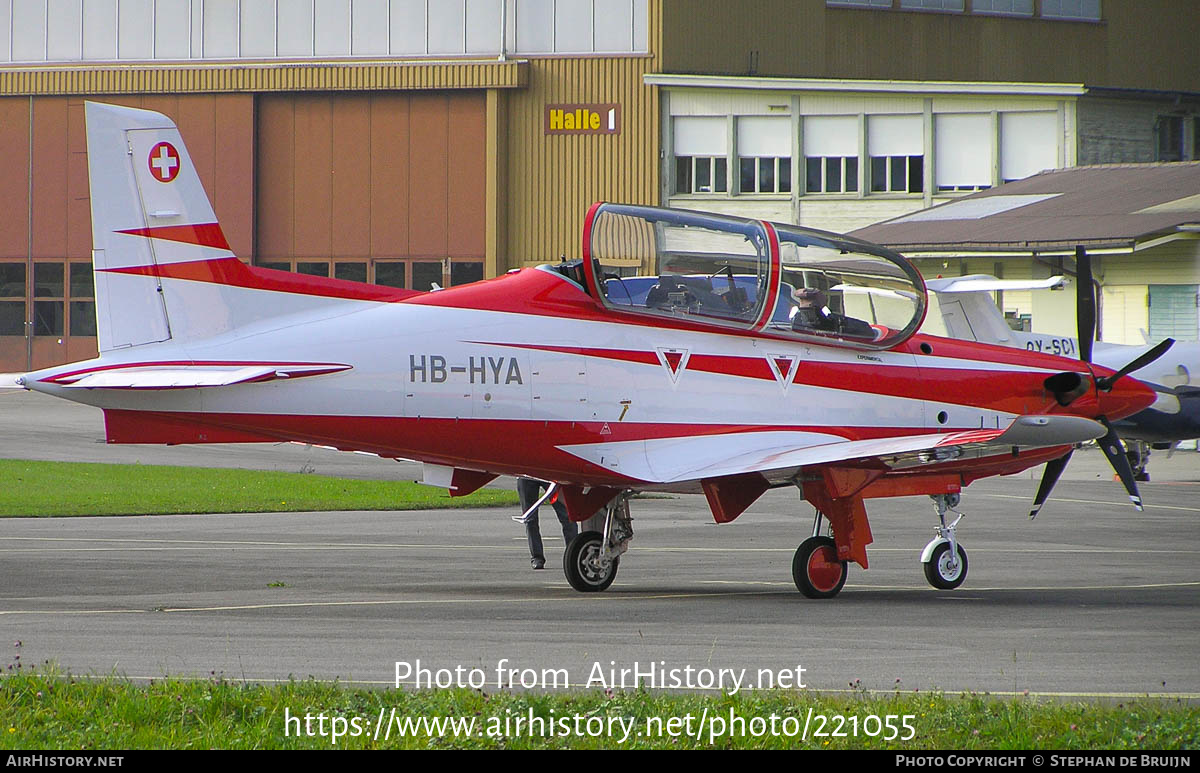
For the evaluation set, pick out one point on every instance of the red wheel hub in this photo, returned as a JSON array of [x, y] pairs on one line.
[[824, 569]]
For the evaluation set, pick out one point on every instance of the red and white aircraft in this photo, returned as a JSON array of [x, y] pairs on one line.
[[685, 352]]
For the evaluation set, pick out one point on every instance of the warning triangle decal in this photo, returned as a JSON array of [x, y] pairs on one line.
[[784, 367], [674, 360]]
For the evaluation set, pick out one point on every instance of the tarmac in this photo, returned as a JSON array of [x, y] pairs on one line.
[[1090, 599]]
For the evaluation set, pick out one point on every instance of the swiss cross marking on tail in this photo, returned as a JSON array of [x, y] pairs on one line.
[[674, 360], [164, 162]]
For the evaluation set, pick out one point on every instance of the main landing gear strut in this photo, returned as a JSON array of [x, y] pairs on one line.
[[591, 560]]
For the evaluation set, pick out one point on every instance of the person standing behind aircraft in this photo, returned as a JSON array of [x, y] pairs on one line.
[[529, 490]]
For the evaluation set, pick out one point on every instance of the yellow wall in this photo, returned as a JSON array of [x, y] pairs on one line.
[[553, 179], [1125, 314]]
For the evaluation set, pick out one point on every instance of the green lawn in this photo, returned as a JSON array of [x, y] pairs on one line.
[[54, 712], [67, 488]]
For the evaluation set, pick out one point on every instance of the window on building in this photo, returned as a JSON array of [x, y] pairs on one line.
[[426, 274], [701, 155], [354, 271], [764, 148], [865, 3], [896, 146], [12, 299], [1028, 144], [1086, 10], [831, 154], [313, 267], [1168, 133], [962, 151], [465, 271], [933, 5], [49, 293], [1003, 7], [81, 312], [1174, 312], [390, 273]]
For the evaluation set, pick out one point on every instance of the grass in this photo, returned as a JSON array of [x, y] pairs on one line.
[[69, 488], [45, 710]]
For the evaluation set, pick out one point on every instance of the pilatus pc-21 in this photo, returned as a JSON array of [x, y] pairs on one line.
[[685, 352]]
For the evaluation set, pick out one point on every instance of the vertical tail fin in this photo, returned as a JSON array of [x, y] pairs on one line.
[[149, 210]]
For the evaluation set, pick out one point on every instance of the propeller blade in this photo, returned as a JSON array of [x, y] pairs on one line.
[[1085, 303], [1054, 468], [1112, 447], [1107, 382]]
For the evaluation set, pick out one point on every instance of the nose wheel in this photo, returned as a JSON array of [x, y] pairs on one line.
[[942, 570], [816, 570], [586, 567]]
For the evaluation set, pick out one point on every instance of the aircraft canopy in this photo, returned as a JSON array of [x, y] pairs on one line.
[[752, 275]]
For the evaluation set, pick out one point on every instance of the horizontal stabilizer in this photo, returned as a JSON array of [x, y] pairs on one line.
[[191, 376], [975, 283]]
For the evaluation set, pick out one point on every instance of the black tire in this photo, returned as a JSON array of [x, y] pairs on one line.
[[582, 576], [816, 570], [938, 571]]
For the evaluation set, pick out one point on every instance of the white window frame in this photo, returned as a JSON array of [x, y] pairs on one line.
[[943, 126], [1065, 10], [947, 6], [890, 163], [848, 175], [1007, 7], [783, 180], [714, 188]]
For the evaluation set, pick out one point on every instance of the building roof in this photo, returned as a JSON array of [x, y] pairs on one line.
[[1110, 206]]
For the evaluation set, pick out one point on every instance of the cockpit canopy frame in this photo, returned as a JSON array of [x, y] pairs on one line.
[[751, 275]]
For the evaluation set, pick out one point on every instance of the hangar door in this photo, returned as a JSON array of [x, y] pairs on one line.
[[383, 187], [1174, 313]]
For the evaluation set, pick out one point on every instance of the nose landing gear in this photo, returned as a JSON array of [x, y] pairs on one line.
[[944, 560]]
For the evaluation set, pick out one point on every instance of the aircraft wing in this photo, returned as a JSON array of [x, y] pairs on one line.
[[676, 460], [190, 376]]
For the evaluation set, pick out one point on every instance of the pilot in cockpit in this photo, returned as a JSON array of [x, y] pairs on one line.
[[811, 312]]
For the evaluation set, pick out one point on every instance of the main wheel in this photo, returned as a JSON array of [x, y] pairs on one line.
[[938, 569], [581, 567], [816, 569]]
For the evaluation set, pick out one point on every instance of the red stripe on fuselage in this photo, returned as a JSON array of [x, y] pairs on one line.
[[1010, 392]]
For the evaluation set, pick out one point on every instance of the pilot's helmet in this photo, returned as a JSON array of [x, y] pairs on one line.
[[808, 297]]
